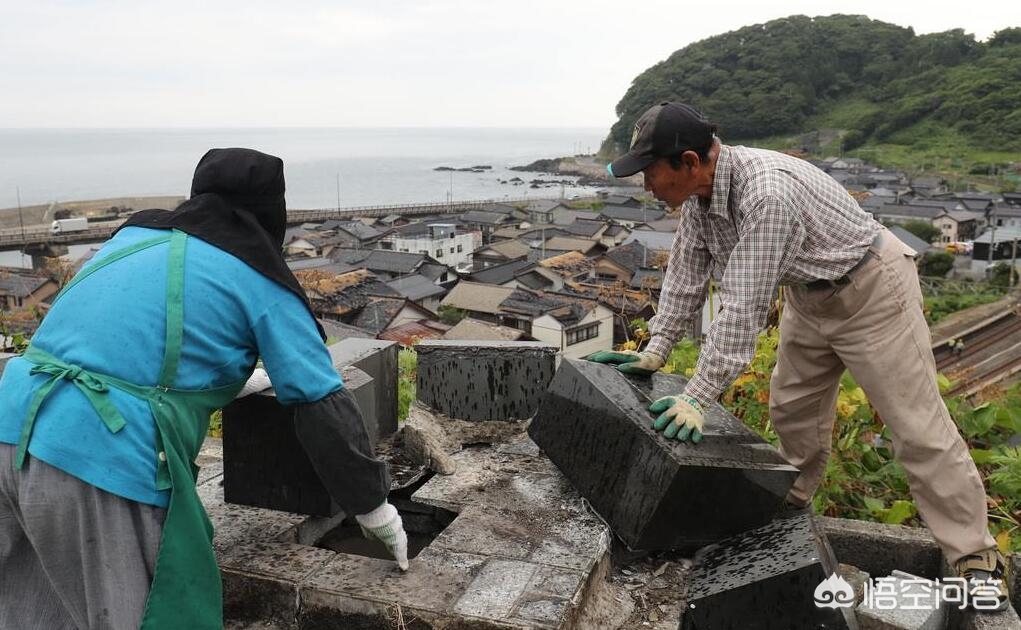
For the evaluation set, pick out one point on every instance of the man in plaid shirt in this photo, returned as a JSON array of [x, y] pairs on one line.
[[759, 220]]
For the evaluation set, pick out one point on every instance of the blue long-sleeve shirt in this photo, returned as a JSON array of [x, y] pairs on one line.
[[114, 323]]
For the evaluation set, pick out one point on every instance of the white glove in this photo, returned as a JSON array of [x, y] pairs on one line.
[[257, 382], [385, 525]]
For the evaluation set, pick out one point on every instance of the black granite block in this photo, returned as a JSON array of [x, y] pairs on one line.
[[378, 359], [484, 380], [656, 493], [765, 579], [264, 465]]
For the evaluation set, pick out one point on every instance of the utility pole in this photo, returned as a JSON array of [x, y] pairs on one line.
[[338, 191], [1013, 262], [21, 221]]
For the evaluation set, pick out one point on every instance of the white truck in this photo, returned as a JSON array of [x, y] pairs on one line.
[[63, 226]]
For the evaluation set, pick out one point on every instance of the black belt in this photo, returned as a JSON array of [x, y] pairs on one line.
[[844, 279]]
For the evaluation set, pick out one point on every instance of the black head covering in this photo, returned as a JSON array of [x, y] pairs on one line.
[[237, 204]]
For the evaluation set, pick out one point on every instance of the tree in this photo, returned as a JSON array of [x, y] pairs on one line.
[[935, 264], [922, 229], [450, 315]]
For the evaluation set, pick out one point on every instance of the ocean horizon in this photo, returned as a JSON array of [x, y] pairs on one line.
[[324, 167]]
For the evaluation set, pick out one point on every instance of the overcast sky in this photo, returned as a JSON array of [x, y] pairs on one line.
[[86, 63]]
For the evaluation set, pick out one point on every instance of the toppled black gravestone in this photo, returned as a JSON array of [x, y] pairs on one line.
[[378, 359], [264, 464], [770, 578], [656, 493], [484, 380]]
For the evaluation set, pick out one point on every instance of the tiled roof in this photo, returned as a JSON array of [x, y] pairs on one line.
[[20, 285], [415, 287], [508, 249], [473, 296], [489, 218], [567, 244], [499, 274], [377, 314], [627, 213], [570, 264], [657, 241], [581, 227], [630, 256], [474, 330], [410, 333]]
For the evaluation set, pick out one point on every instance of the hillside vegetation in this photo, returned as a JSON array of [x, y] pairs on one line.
[[874, 84]]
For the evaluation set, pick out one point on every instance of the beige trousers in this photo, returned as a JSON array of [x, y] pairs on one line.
[[874, 326]]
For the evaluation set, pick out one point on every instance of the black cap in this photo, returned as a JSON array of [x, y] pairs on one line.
[[664, 130]]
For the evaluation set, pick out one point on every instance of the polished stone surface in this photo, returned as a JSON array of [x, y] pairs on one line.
[[264, 464], [484, 380], [654, 492], [765, 579], [378, 359]]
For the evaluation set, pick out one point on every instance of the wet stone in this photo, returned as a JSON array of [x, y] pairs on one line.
[[264, 464], [378, 359], [909, 604], [656, 493], [484, 380], [766, 579]]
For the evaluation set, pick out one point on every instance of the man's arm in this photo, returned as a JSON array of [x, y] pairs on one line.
[[684, 285], [771, 235]]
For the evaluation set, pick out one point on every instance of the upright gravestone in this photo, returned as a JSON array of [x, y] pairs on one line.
[[378, 359], [484, 380], [264, 464], [656, 493]]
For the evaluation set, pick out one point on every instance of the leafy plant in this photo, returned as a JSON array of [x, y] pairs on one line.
[[407, 372]]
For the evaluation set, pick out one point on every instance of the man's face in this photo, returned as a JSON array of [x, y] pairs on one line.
[[673, 186]]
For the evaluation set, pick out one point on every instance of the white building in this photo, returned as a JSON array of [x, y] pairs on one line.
[[442, 241]]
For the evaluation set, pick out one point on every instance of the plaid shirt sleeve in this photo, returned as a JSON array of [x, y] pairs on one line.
[[684, 285], [770, 238]]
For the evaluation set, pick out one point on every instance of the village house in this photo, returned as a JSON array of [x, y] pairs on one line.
[[499, 252], [380, 314], [389, 264], [628, 216], [341, 297], [444, 242], [20, 290], [419, 289]]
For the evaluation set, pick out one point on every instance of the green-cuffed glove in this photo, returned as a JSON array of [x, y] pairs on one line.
[[384, 524], [629, 361], [679, 416]]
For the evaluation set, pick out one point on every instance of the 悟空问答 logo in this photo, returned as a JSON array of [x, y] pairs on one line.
[[834, 592]]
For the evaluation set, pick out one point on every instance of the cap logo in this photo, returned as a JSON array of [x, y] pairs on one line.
[[634, 136]]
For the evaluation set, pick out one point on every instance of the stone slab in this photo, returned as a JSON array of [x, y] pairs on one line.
[[656, 493], [765, 579], [378, 359], [911, 603], [264, 463], [880, 549], [260, 580], [484, 380]]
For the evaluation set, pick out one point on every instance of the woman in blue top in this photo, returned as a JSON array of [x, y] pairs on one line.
[[100, 524]]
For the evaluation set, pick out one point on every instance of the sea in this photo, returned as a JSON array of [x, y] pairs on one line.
[[324, 168]]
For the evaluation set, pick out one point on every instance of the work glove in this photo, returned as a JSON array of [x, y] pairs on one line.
[[679, 416], [629, 361], [257, 382], [385, 525]]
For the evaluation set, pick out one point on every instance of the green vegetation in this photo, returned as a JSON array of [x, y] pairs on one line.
[[935, 264], [942, 299], [922, 229], [940, 101], [862, 479], [407, 372], [450, 315]]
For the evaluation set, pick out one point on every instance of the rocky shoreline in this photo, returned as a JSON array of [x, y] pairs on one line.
[[586, 168]]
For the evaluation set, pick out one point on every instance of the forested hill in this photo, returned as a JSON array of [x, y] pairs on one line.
[[873, 81]]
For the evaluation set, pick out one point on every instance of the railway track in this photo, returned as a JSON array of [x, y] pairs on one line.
[[991, 352]]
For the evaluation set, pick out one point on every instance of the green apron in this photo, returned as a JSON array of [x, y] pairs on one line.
[[186, 587]]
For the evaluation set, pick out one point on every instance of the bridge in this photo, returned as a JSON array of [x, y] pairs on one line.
[[38, 238]]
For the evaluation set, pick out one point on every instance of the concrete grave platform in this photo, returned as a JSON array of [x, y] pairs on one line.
[[656, 493], [484, 380], [521, 553], [264, 463], [767, 578]]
